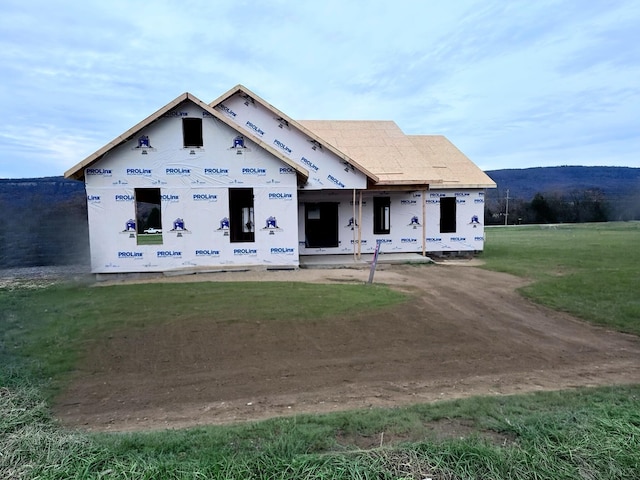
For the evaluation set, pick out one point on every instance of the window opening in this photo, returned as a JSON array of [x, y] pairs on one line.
[[381, 215], [192, 132], [241, 216], [447, 215], [148, 216]]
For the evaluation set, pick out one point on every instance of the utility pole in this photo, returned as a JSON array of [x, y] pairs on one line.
[[506, 210]]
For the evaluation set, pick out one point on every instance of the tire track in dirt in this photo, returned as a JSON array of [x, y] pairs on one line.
[[465, 332]]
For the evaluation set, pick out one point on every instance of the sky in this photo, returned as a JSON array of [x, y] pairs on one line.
[[513, 84]]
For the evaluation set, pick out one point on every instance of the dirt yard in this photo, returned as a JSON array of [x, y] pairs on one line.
[[466, 332]]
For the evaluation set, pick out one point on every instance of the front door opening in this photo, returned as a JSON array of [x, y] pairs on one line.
[[321, 225]]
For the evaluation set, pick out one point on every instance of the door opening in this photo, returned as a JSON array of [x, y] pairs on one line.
[[321, 225]]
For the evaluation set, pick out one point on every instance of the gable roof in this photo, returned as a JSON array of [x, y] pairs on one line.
[[77, 171], [399, 159], [378, 149], [241, 89]]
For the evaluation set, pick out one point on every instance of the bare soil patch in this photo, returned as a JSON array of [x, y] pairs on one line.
[[465, 332]]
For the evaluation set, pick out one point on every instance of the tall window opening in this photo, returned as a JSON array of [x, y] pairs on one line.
[[148, 216], [381, 215], [447, 214], [192, 132], [241, 220]]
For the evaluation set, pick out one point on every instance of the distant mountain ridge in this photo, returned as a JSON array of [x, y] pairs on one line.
[[526, 182], [574, 193], [522, 183]]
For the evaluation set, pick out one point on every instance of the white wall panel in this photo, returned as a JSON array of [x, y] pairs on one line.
[[406, 222], [194, 200]]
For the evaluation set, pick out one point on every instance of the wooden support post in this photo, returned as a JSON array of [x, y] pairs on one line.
[[424, 223], [360, 226], [353, 227]]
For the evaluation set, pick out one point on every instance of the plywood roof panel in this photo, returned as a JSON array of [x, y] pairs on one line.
[[382, 148]]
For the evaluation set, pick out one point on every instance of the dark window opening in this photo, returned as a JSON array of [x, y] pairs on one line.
[[241, 221], [381, 215], [447, 215], [192, 132], [321, 225], [148, 216]]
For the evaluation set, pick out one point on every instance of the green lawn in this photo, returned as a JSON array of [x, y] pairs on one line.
[[590, 270], [46, 329], [580, 434]]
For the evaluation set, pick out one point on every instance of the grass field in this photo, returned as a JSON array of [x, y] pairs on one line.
[[586, 433], [589, 270]]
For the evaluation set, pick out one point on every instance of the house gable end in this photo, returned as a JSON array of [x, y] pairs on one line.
[[173, 109], [328, 167]]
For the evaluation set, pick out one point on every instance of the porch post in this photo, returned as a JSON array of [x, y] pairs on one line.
[[424, 223], [360, 225], [353, 226]]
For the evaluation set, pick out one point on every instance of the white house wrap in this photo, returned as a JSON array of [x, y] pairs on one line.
[[239, 183]]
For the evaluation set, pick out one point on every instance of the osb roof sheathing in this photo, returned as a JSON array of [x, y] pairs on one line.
[[399, 159], [454, 166]]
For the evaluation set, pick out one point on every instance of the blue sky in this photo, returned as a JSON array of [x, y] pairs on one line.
[[513, 84]]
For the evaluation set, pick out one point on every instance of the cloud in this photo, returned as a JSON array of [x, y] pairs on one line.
[[507, 82], [47, 147]]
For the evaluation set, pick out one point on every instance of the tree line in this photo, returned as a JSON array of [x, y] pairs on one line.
[[574, 206]]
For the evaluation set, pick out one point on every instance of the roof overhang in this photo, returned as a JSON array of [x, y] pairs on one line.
[[401, 185]]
